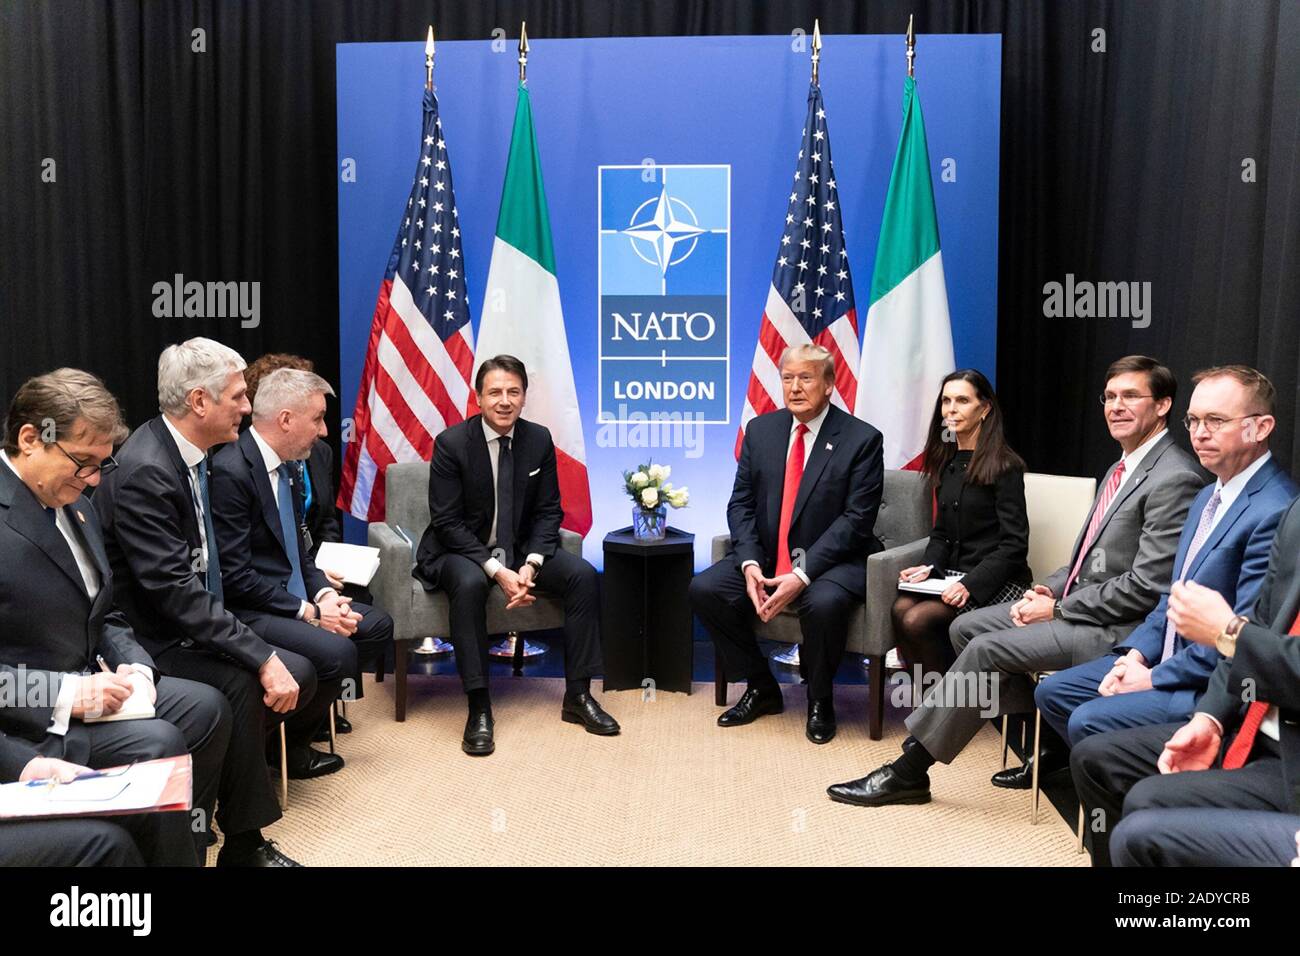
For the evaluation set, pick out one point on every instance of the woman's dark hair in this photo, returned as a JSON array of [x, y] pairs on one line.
[[992, 457]]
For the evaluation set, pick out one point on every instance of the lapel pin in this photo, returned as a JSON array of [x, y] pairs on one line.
[[81, 517], [830, 447]]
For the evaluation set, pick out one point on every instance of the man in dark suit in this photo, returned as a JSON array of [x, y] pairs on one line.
[[494, 502], [802, 514], [1154, 675], [1122, 562], [155, 839], [77, 659], [1150, 790], [157, 517], [270, 582]]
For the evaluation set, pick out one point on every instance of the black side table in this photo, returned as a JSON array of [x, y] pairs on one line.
[[646, 611]]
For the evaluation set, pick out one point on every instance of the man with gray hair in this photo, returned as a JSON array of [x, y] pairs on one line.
[[808, 487], [157, 517], [270, 581]]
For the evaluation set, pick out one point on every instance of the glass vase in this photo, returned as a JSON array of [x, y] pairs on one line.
[[650, 524]]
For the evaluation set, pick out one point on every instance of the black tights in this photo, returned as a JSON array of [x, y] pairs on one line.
[[921, 630]]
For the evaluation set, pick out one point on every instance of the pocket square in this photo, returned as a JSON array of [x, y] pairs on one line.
[[533, 472]]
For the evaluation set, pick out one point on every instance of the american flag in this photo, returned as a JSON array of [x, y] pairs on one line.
[[416, 379], [811, 296]]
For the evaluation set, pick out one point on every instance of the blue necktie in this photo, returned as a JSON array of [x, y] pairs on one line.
[[213, 574], [289, 528], [53, 516]]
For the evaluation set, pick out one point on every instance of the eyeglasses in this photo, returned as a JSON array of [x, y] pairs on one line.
[[1213, 423], [86, 471], [1124, 400]]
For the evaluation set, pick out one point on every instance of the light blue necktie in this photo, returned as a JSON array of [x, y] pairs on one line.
[[213, 575], [289, 528], [1198, 541]]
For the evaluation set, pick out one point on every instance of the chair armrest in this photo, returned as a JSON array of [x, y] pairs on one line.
[[391, 584], [882, 588], [720, 545], [571, 542]]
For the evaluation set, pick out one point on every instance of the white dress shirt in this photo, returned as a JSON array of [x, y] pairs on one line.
[[70, 685], [193, 457], [814, 426], [491, 566], [273, 462], [1134, 459]]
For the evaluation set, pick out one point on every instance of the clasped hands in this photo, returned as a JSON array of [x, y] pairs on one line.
[[771, 595], [517, 586]]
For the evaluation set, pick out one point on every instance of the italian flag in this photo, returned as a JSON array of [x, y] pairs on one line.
[[522, 316], [907, 347]]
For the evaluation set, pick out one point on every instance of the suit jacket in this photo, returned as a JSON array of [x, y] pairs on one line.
[[151, 535], [835, 511], [48, 623], [462, 498], [1266, 664], [981, 530], [1131, 561], [255, 567], [15, 754], [323, 515], [1232, 561]]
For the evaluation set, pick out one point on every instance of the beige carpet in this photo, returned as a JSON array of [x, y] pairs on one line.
[[672, 789]]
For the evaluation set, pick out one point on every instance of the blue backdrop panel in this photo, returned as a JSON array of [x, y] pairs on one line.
[[732, 103]]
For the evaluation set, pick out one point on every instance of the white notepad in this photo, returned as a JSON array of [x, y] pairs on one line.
[[355, 562], [932, 586]]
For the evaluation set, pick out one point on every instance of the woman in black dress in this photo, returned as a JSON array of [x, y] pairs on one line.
[[980, 530]]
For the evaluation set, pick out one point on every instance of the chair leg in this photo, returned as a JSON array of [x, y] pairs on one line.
[[284, 769], [1004, 741], [399, 672], [1080, 829], [876, 696], [1038, 726], [517, 662], [719, 680], [333, 740]]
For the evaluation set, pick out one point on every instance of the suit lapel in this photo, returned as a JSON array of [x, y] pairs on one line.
[[519, 449], [773, 463], [168, 444], [1134, 482], [95, 545], [1230, 517], [482, 488], [262, 483], [823, 448], [28, 518]]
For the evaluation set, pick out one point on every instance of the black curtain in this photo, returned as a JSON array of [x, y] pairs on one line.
[[1122, 165]]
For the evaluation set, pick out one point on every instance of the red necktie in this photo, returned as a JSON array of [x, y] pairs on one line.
[[1103, 502], [1240, 749], [793, 474]]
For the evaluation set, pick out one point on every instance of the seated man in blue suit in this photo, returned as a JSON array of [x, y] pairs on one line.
[[269, 579], [1156, 675]]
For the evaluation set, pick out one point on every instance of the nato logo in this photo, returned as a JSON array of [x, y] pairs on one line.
[[665, 264]]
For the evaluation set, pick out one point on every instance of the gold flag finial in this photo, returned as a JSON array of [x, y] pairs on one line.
[[816, 50], [428, 60], [911, 46], [523, 51]]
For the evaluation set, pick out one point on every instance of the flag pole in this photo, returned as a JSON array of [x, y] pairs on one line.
[[428, 60], [911, 46], [816, 51], [433, 646], [523, 51]]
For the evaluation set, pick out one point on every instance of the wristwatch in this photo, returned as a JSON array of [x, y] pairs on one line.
[[534, 565], [1226, 642], [315, 621], [1056, 611]]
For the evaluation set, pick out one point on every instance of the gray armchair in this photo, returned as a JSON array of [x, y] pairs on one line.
[[903, 526], [418, 613]]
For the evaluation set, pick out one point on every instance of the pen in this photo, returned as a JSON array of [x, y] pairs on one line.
[[920, 574], [103, 665]]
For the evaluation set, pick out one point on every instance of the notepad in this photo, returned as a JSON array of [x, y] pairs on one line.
[[934, 586], [356, 563], [136, 707]]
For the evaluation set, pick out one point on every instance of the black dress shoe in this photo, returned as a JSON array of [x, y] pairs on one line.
[[268, 854], [752, 705], [341, 726], [583, 709], [821, 721], [880, 788], [1022, 777], [477, 741], [307, 762]]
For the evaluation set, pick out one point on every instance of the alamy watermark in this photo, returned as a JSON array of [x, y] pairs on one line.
[[209, 300], [1083, 299]]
